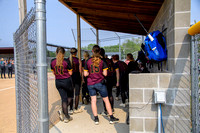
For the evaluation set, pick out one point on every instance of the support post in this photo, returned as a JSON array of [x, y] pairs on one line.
[[22, 10], [43, 119], [79, 35], [194, 85], [79, 45], [97, 36]]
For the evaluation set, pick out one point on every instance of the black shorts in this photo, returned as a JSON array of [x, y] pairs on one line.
[[65, 88], [76, 78]]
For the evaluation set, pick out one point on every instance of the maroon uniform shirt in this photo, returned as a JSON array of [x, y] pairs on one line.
[[61, 72], [95, 72], [75, 65], [122, 66]]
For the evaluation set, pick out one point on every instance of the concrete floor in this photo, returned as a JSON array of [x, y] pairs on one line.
[[83, 122]]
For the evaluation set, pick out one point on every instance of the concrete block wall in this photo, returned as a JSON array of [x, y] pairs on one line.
[[175, 16], [143, 111]]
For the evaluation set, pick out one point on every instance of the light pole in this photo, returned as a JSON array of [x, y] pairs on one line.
[[119, 46]]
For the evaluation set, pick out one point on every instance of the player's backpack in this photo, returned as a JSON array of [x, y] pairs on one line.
[[156, 50]]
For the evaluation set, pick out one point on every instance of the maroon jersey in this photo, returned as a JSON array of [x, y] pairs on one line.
[[110, 67], [61, 72], [95, 73], [122, 66], [75, 64]]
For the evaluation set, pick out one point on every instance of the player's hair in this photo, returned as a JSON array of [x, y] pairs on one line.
[[73, 51], [60, 51], [86, 55], [130, 57], [96, 55], [116, 57], [102, 53]]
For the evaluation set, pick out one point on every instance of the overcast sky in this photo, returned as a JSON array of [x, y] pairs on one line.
[[60, 21]]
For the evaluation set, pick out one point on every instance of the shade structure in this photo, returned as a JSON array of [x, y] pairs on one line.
[[116, 15], [6, 50]]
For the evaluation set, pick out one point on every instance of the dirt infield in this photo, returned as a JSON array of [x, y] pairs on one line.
[[7, 106]]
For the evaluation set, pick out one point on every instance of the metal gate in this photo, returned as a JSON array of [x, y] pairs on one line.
[[26, 75], [195, 71], [31, 72]]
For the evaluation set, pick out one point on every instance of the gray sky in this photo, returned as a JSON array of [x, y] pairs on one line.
[[60, 21]]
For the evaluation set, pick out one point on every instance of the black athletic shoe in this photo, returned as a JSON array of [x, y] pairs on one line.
[[96, 120], [113, 120]]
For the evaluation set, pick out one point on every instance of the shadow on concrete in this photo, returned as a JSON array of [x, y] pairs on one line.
[[181, 90]]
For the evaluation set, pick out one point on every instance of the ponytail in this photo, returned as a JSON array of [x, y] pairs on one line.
[[73, 51], [60, 51], [96, 55]]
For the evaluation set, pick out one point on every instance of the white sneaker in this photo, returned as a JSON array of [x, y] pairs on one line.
[[66, 120], [78, 111], [71, 112], [61, 115], [123, 105]]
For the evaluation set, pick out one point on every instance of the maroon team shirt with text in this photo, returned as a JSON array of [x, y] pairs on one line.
[[95, 72], [61, 72], [75, 65], [122, 66]]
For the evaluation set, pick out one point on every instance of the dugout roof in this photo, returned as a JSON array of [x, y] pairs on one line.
[[116, 15], [6, 50]]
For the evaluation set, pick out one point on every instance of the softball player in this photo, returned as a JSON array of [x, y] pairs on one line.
[[3, 68], [76, 78], [109, 81], [96, 69], [62, 70]]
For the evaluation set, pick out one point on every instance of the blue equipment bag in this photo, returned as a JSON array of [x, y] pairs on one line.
[[156, 50]]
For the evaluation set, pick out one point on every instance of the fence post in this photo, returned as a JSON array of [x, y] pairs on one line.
[[43, 119], [194, 85]]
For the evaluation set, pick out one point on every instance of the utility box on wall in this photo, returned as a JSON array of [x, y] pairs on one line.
[[159, 96]]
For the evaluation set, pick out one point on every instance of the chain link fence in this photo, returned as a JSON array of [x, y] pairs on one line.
[[112, 42], [26, 75], [195, 74]]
